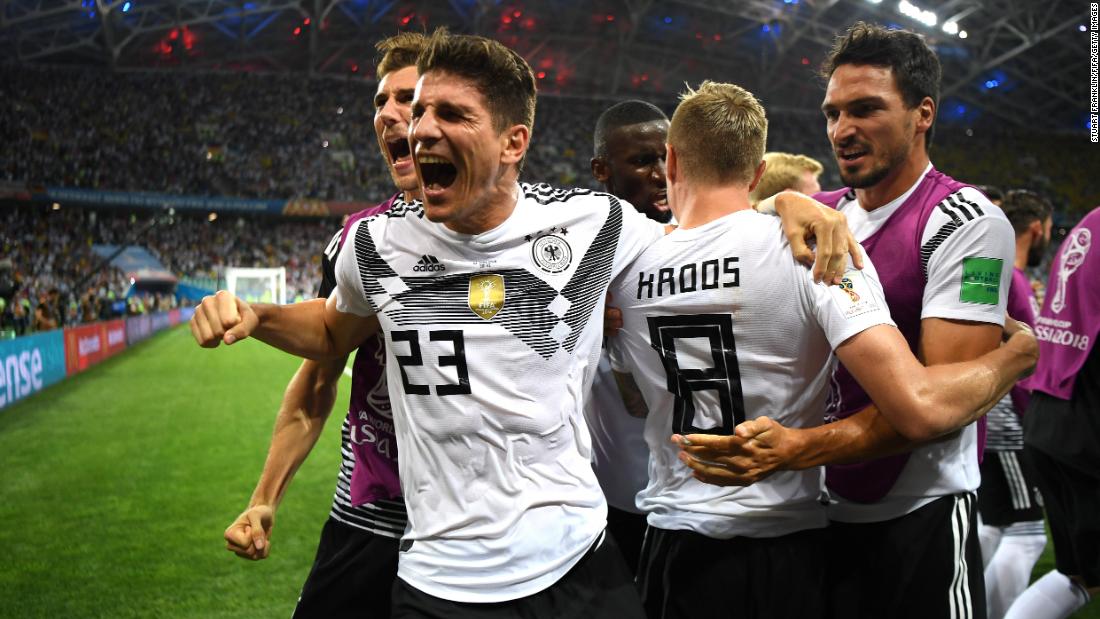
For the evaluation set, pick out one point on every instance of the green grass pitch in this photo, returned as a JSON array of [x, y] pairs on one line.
[[116, 485]]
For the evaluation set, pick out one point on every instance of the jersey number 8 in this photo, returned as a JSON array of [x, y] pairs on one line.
[[688, 369]]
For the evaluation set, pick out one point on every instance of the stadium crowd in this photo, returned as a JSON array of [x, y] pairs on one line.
[[246, 135], [50, 275]]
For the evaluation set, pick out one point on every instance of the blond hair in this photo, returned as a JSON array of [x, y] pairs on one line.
[[784, 171], [399, 51], [719, 132]]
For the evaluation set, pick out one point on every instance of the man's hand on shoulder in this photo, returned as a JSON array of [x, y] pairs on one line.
[[249, 537], [806, 219], [222, 317]]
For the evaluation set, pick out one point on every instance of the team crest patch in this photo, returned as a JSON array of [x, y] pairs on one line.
[[853, 295], [981, 280], [551, 253], [486, 296]]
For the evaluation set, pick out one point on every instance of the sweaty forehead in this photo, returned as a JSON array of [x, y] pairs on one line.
[[648, 135], [851, 82], [446, 86], [398, 79]]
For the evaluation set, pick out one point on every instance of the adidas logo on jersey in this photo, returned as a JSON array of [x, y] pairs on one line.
[[429, 263]]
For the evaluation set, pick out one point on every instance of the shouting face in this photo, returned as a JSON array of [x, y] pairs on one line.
[[392, 111], [461, 160]]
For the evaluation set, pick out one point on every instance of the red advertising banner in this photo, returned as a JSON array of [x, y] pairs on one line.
[[173, 317], [114, 336], [84, 346]]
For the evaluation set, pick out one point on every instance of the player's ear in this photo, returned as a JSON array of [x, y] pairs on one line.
[[759, 175], [600, 170], [515, 141], [672, 164], [1036, 230], [926, 115]]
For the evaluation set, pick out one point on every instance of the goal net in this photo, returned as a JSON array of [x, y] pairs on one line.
[[257, 285]]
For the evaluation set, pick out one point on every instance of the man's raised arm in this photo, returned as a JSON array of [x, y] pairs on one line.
[[913, 404], [312, 329]]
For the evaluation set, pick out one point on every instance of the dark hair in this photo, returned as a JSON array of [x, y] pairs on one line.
[[623, 114], [993, 193], [1022, 207], [501, 75], [399, 51], [915, 66]]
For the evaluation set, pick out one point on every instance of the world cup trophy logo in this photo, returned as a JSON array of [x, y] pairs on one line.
[[1073, 255], [849, 288], [486, 295]]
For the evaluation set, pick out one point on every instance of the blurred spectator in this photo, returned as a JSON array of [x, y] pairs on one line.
[[786, 171]]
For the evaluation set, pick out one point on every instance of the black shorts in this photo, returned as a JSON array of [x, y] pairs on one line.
[[1009, 492], [597, 586], [927, 563], [684, 574], [1072, 500], [352, 575], [628, 529]]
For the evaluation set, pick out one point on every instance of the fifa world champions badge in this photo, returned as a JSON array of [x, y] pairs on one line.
[[486, 295]]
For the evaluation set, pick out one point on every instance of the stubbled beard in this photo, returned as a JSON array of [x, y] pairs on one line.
[[867, 179], [662, 217], [875, 175], [1035, 254]]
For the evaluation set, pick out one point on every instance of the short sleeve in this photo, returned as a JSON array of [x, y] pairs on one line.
[[349, 294], [854, 305], [328, 266], [969, 249], [638, 233]]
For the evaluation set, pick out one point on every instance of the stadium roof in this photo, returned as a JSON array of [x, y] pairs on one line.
[[1021, 64]]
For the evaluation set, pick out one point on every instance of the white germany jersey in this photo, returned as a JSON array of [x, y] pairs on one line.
[[954, 234], [491, 342], [722, 325]]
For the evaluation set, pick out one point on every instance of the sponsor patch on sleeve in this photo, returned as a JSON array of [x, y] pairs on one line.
[[853, 295], [981, 280]]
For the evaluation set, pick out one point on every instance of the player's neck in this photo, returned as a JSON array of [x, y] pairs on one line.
[[699, 205], [494, 209], [896, 183]]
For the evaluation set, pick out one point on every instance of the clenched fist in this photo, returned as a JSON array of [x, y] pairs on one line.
[[222, 318]]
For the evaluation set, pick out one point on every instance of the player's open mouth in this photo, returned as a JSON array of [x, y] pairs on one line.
[[660, 200], [851, 154], [436, 172], [399, 150]]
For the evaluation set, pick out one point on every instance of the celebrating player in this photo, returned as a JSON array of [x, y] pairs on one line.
[[488, 357], [630, 163], [357, 555], [902, 541], [703, 339]]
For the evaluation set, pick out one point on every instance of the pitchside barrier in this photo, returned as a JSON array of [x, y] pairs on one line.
[[31, 363]]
